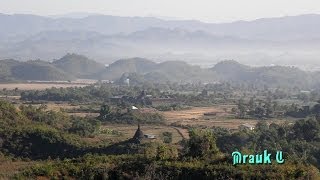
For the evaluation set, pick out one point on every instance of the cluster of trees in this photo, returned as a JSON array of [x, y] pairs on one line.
[[256, 108], [34, 132], [72, 94], [60, 120], [267, 108], [300, 141]]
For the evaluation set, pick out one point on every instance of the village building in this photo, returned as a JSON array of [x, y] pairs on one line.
[[246, 127]]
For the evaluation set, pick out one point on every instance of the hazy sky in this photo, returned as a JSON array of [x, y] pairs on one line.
[[204, 10]]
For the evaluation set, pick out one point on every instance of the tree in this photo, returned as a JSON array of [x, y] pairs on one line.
[[316, 109], [204, 93], [242, 109], [202, 143], [252, 104], [260, 111], [262, 126], [104, 112]]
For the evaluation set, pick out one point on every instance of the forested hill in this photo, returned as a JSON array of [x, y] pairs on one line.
[[271, 75], [140, 70]]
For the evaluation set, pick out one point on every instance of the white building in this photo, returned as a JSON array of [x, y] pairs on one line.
[[150, 136]]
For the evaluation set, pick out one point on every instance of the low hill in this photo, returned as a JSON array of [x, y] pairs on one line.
[[39, 70], [138, 69], [78, 65], [274, 76], [179, 71], [12, 70], [5, 69], [231, 70], [284, 76], [132, 65]]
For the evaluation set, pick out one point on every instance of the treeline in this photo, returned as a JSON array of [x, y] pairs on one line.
[[72, 94], [93, 93], [270, 108]]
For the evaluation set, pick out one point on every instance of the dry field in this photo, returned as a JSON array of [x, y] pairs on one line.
[[38, 86], [195, 117], [194, 113]]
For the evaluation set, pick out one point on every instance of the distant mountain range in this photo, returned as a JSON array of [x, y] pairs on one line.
[[138, 70], [284, 28], [283, 41]]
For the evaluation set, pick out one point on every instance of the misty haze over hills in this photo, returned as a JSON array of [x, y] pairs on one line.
[[282, 41]]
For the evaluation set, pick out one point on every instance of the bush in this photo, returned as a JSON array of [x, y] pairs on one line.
[[38, 142], [84, 127], [202, 144], [167, 137]]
